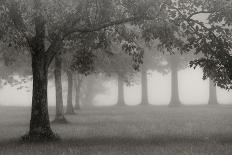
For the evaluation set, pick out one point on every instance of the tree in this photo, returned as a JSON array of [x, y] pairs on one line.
[[125, 74], [177, 62], [210, 37], [41, 58], [67, 55], [59, 117], [152, 60], [121, 65]]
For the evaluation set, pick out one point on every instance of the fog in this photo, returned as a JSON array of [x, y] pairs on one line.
[[192, 89]]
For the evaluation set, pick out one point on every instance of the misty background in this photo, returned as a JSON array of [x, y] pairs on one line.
[[192, 90]]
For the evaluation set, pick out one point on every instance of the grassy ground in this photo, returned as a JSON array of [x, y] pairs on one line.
[[195, 130]]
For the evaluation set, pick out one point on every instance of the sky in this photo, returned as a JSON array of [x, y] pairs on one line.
[[192, 90]]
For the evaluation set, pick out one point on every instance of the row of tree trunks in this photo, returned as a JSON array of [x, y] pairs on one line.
[[175, 100], [73, 82]]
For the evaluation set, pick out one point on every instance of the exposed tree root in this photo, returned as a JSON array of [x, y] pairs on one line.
[[40, 136]]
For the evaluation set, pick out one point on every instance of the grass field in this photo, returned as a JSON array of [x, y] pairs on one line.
[[195, 130]]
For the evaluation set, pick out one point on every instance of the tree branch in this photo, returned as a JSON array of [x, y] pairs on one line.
[[52, 50], [109, 24]]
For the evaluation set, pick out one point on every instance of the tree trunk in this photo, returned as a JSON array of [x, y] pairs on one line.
[[144, 91], [40, 129], [89, 92], [175, 100], [39, 124], [59, 118], [70, 108], [77, 88], [212, 94], [121, 101]]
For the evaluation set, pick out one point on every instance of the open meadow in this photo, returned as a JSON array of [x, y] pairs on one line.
[[195, 130]]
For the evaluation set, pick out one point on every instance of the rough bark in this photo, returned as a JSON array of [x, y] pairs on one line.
[[59, 117], [144, 90], [70, 108], [121, 101], [40, 129], [212, 94], [175, 100], [77, 91]]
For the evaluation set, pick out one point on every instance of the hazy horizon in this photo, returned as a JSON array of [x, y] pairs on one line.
[[192, 90]]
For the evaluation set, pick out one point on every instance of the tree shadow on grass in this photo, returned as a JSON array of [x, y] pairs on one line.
[[154, 140], [158, 140], [223, 139], [132, 141]]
